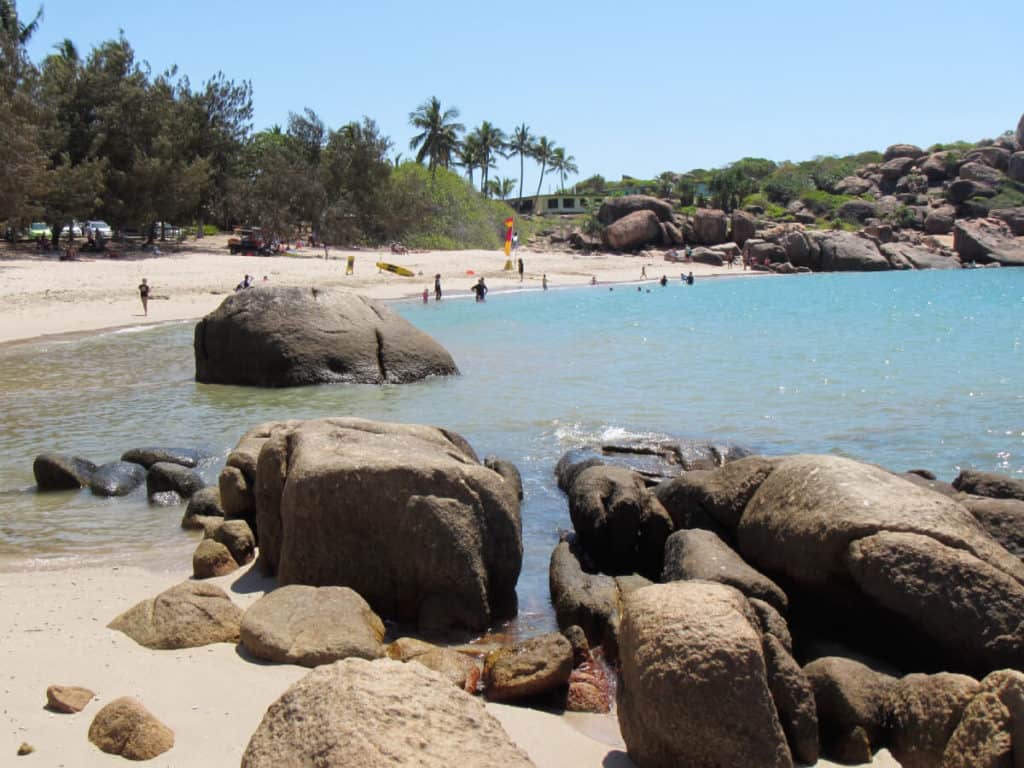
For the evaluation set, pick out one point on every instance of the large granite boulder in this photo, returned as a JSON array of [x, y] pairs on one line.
[[846, 252], [853, 185], [60, 472], [615, 208], [911, 151], [694, 689], [166, 477], [892, 170], [710, 226], [875, 544], [124, 727], [311, 626], [857, 210], [280, 336], [532, 668], [991, 484], [618, 520], [744, 227], [990, 733], [939, 166], [801, 250], [719, 495], [850, 698], [203, 503], [700, 554], [920, 714], [984, 241], [186, 616], [939, 221], [1015, 166], [1003, 519], [993, 156], [1013, 218], [117, 478], [918, 257], [376, 713], [632, 231], [406, 515], [582, 598], [980, 172]]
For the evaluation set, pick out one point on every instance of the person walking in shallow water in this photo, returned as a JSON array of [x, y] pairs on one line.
[[520, 270], [437, 287], [480, 289], [144, 295]]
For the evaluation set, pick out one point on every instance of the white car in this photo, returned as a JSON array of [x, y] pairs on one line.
[[75, 230], [100, 228]]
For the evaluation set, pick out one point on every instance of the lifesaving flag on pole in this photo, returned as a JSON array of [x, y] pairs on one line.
[[508, 235]]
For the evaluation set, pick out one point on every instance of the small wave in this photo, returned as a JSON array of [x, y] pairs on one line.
[[577, 435]]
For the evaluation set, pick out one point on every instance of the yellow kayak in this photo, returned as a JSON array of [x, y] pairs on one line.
[[395, 268]]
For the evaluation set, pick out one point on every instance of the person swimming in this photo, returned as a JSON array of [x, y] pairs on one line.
[[663, 281]]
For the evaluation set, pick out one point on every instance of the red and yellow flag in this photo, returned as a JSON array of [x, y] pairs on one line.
[[508, 235]]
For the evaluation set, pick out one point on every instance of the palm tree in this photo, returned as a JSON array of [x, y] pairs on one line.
[[563, 165], [12, 28], [522, 145], [438, 138], [470, 155], [66, 51], [503, 187], [492, 144], [543, 152]]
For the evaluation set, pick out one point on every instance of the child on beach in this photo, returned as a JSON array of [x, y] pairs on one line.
[[144, 295]]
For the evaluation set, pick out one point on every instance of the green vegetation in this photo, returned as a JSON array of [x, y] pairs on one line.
[[823, 203]]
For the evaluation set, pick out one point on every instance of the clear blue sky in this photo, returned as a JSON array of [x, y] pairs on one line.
[[627, 89]]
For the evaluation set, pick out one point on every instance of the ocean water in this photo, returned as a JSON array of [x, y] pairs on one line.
[[919, 369]]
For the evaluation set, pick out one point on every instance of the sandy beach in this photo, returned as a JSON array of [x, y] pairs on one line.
[[41, 296]]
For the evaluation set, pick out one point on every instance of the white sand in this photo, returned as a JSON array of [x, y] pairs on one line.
[[41, 295]]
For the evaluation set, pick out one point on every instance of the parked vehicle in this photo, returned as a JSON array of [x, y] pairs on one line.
[[246, 240], [75, 230], [38, 229], [100, 227]]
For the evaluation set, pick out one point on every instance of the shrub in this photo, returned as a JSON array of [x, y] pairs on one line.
[[823, 203]]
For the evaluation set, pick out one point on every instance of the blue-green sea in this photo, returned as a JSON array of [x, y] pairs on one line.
[[908, 370]]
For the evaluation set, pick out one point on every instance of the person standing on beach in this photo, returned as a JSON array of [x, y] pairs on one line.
[[144, 295], [544, 281], [520, 270], [437, 287], [643, 272]]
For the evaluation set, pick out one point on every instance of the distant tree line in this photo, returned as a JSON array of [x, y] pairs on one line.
[[102, 136]]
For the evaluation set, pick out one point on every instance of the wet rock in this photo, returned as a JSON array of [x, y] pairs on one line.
[[124, 727], [588, 600], [212, 559], [311, 626], [354, 711], [530, 669], [283, 336], [147, 457], [165, 477], [60, 472], [118, 478], [204, 503], [462, 670], [720, 495], [580, 645], [68, 699], [185, 616]]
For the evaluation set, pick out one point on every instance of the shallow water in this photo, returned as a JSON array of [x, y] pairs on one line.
[[922, 369]]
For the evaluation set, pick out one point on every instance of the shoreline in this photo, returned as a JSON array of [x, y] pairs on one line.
[[42, 299]]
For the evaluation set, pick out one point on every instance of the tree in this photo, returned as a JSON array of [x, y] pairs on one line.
[[438, 138], [522, 145], [563, 165], [492, 145], [595, 183], [543, 152], [470, 155], [501, 188], [357, 178]]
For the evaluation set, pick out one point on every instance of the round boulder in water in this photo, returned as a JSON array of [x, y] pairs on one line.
[[147, 457], [59, 472], [118, 478], [166, 477], [279, 336]]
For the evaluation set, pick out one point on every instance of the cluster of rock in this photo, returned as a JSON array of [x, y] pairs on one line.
[[280, 336], [741, 602], [168, 473]]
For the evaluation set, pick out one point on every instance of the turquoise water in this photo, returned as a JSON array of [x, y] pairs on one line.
[[922, 369]]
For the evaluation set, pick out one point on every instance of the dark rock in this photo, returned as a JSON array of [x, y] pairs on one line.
[[124, 727], [332, 493], [882, 233], [710, 226], [147, 457], [619, 521], [530, 669], [60, 472], [912, 184], [1003, 519], [164, 477], [694, 688], [920, 714], [931, 483], [801, 250], [1012, 217], [993, 156], [897, 167], [700, 554], [311, 626], [238, 538], [281, 336], [744, 227], [706, 256], [770, 622], [204, 503], [989, 484], [212, 559], [68, 699], [853, 185], [794, 700], [980, 173], [1020, 132], [671, 234], [939, 166], [118, 478], [508, 471], [580, 646], [1015, 166], [940, 220], [850, 699], [983, 242], [761, 252], [186, 616], [857, 210], [587, 600], [911, 151], [615, 208], [962, 190], [374, 713], [632, 231]]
